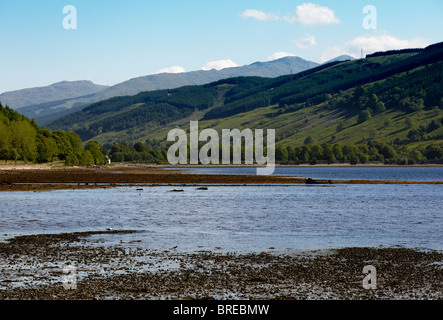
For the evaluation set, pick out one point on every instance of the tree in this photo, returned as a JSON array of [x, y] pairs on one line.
[[87, 158], [380, 107], [372, 101], [140, 147], [309, 140], [338, 152], [327, 151], [363, 116], [434, 152], [281, 154], [104, 150], [46, 149], [291, 153], [76, 143], [416, 155], [412, 104], [14, 155], [373, 151], [414, 135], [353, 159], [331, 159], [388, 152], [364, 158], [96, 152], [118, 157], [72, 160], [23, 139], [433, 125], [316, 152], [408, 123]]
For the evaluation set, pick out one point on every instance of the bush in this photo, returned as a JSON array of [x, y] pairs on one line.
[[309, 140], [363, 116]]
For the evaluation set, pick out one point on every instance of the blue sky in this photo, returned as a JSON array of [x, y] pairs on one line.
[[117, 40]]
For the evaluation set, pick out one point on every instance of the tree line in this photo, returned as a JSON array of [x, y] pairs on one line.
[[375, 152], [153, 108], [21, 139]]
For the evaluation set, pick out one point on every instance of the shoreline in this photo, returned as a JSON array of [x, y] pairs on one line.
[[10, 166], [32, 268], [44, 177]]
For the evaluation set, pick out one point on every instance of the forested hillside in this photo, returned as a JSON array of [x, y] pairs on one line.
[[21, 139], [147, 109], [349, 102]]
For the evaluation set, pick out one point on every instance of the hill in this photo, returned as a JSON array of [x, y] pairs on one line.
[[58, 91], [44, 112], [393, 98]]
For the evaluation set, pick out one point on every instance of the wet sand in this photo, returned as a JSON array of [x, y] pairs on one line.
[[32, 268], [23, 178]]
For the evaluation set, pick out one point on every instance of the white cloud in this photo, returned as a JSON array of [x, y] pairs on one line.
[[259, 15], [370, 44], [306, 42], [174, 69], [219, 64], [312, 14], [279, 55]]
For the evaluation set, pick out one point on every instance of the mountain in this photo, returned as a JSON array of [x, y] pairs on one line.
[[340, 58], [57, 91], [270, 69], [51, 110], [393, 97]]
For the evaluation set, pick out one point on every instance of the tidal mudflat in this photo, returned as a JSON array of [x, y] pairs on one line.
[[31, 269]]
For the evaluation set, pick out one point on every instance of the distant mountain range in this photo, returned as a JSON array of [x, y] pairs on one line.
[[46, 104], [270, 69], [57, 91]]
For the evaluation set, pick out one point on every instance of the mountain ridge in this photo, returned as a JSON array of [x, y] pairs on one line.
[[17, 99], [42, 113]]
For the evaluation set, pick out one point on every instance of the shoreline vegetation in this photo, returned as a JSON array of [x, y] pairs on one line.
[[32, 268], [46, 177]]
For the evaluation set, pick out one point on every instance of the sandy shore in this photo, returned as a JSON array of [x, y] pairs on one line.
[[42, 177], [32, 268]]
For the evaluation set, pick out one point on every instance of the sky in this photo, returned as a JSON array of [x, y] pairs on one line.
[[111, 41]]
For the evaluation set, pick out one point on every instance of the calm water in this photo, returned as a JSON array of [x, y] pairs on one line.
[[249, 218], [339, 173]]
